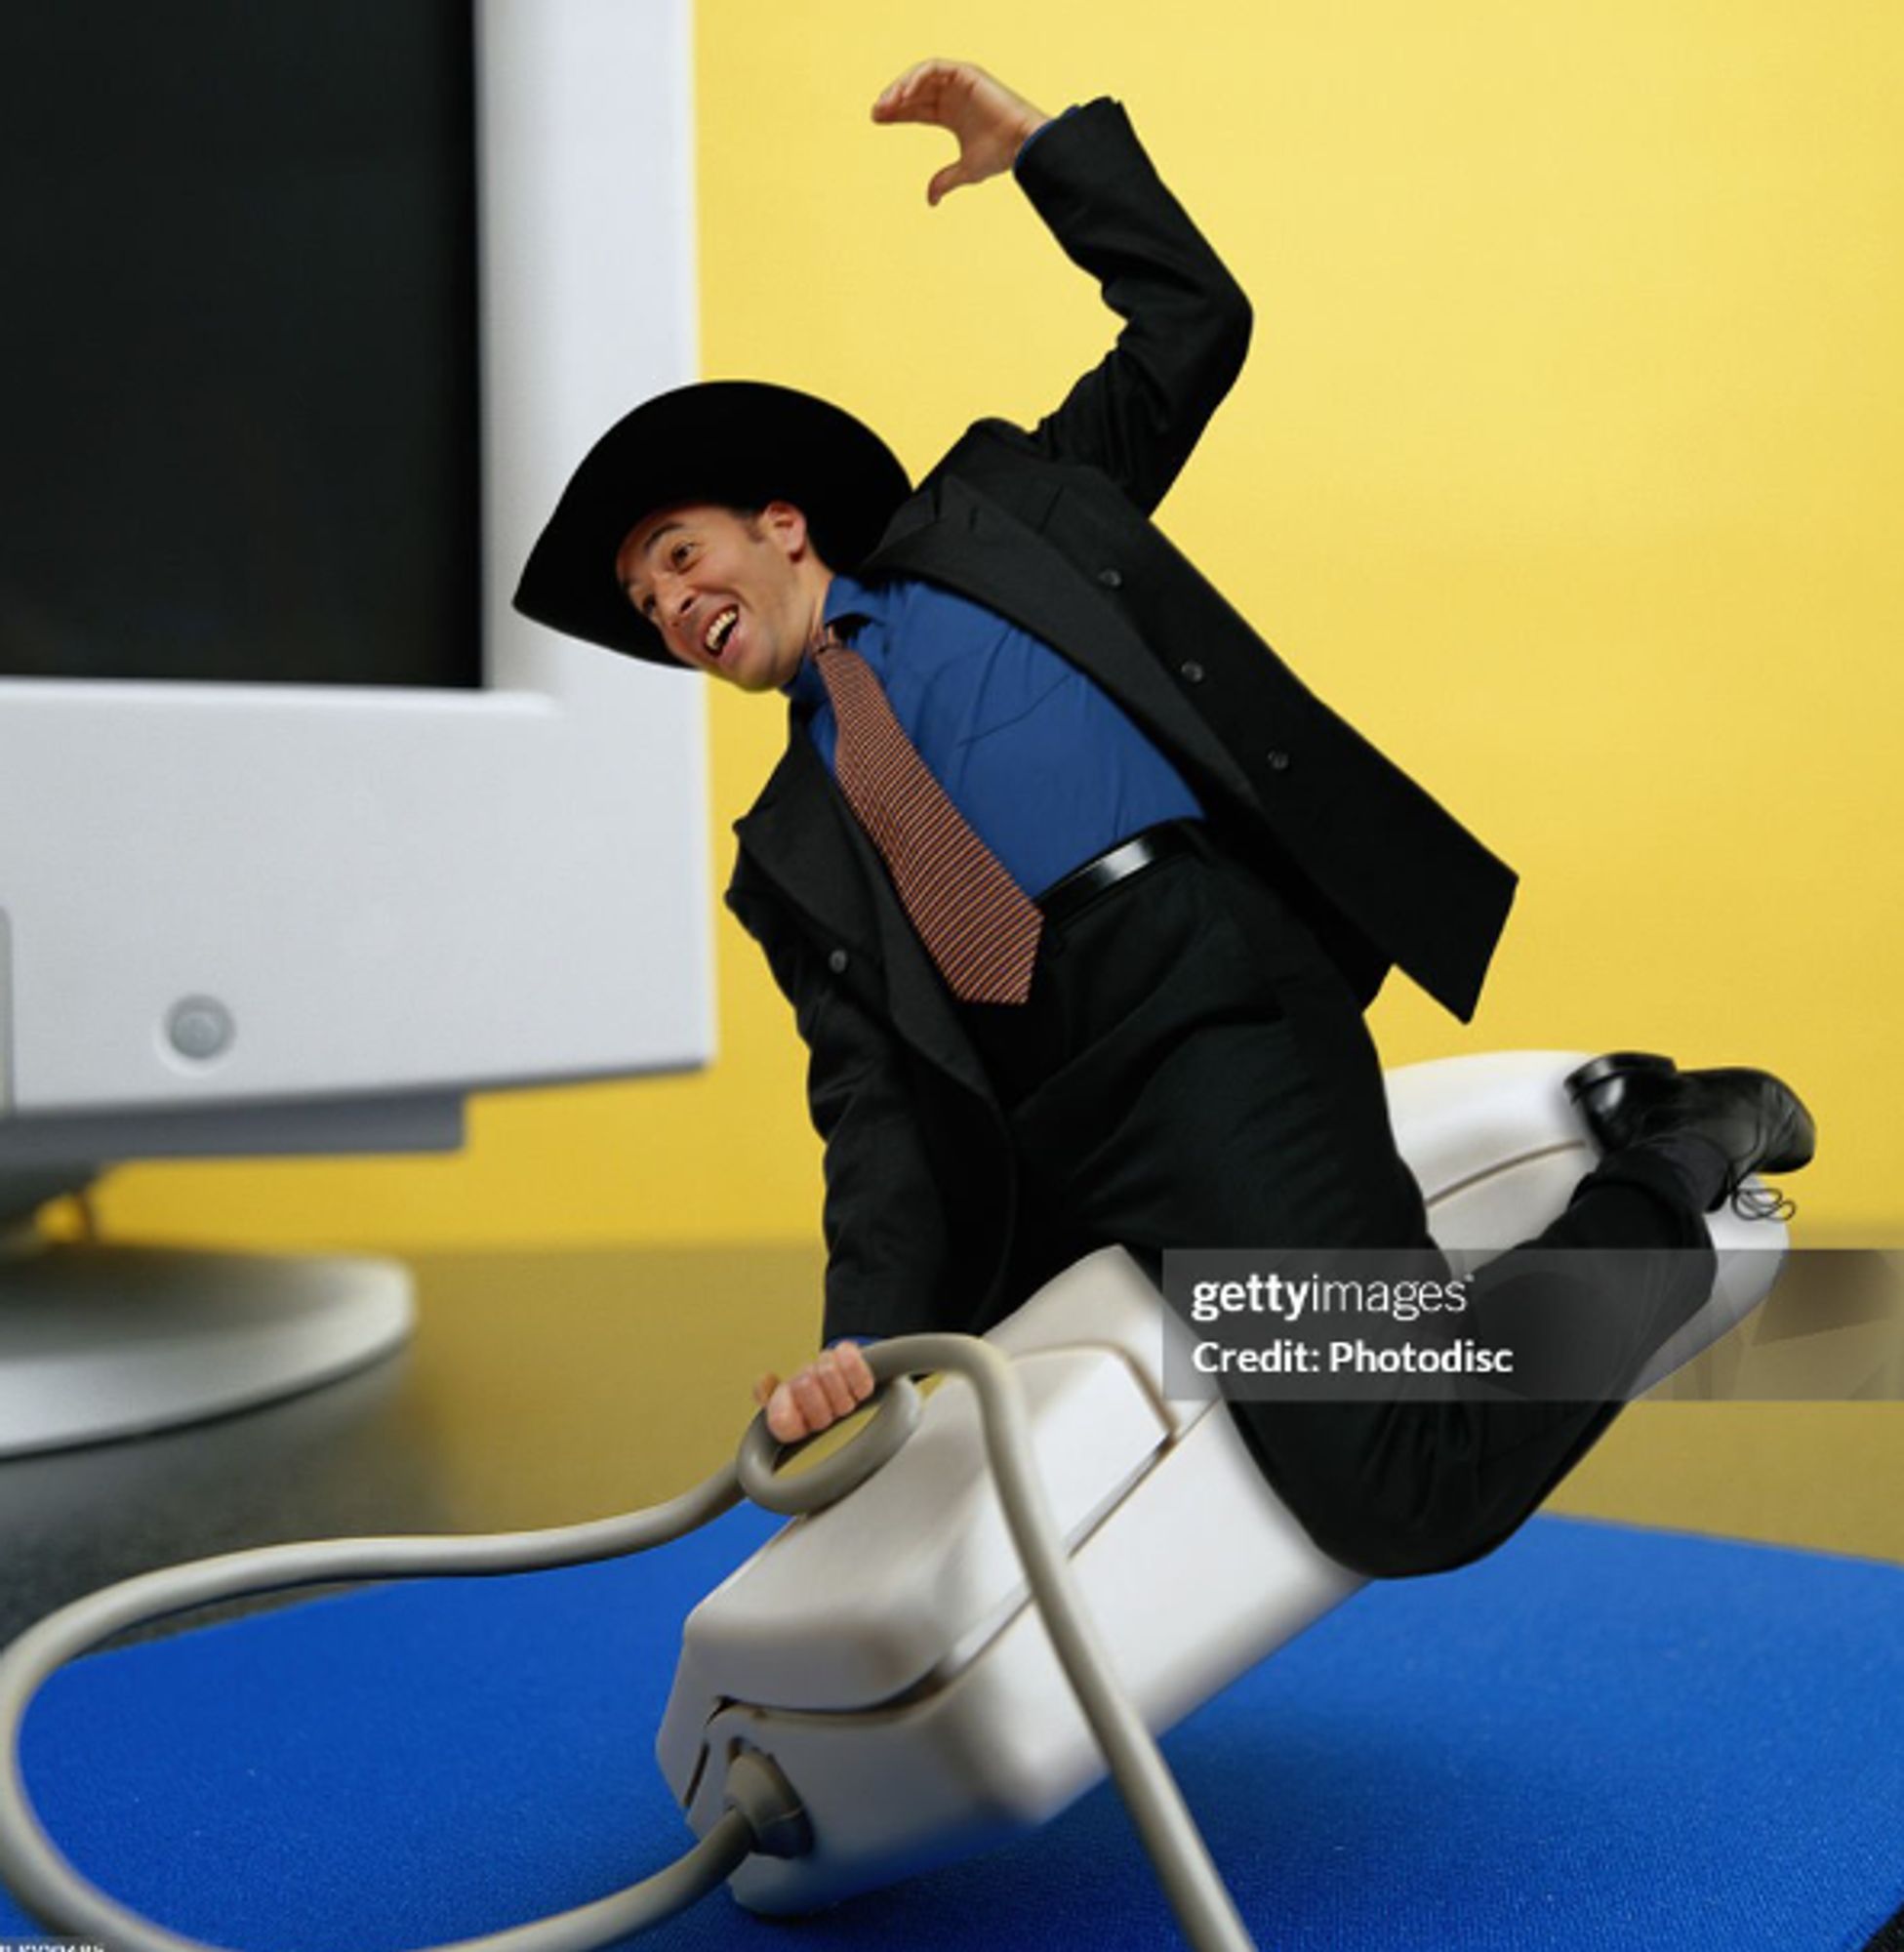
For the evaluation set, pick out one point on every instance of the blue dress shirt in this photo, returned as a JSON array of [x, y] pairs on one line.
[[1042, 765]]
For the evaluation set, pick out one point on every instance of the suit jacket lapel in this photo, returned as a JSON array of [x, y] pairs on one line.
[[802, 835], [794, 832], [956, 535]]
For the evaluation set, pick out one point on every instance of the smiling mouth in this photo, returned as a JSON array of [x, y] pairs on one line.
[[718, 631]]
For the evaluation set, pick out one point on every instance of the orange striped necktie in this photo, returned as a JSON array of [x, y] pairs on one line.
[[978, 925]]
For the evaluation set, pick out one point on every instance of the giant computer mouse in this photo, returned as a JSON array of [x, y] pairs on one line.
[[884, 1652]]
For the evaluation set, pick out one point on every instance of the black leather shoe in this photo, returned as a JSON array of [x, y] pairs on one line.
[[1750, 1117]]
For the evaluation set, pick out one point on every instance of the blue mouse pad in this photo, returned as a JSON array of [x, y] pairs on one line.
[[1598, 1738]]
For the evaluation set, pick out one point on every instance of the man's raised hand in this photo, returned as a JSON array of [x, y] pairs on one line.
[[989, 121], [835, 1384]]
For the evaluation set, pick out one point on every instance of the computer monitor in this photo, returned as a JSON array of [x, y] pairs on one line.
[[304, 834]]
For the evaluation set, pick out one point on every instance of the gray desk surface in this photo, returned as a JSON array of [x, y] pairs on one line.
[[540, 1389]]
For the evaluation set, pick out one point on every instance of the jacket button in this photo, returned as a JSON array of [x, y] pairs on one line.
[[1279, 761], [836, 961], [1191, 673], [1111, 579]]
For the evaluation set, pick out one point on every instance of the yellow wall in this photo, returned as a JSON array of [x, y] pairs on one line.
[[1568, 464]]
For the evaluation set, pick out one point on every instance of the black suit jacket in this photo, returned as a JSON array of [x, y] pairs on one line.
[[1051, 528]]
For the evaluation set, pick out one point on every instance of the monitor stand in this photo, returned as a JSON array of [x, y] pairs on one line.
[[99, 1341]]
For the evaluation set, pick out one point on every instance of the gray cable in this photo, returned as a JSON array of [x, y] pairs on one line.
[[828, 1480], [1202, 1905], [761, 1803], [52, 1890]]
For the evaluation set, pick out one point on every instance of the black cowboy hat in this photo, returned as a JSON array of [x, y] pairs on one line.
[[738, 442]]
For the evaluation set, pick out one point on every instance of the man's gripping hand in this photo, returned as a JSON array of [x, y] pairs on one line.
[[831, 1386], [990, 122]]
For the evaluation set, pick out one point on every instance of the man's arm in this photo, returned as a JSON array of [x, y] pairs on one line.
[[1137, 414], [882, 1217]]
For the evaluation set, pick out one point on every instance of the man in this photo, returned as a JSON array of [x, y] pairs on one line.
[[1008, 685]]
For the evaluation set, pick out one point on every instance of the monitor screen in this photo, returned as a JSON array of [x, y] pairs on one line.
[[240, 341]]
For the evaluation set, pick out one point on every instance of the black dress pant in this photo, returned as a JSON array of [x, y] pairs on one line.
[[1192, 1071]]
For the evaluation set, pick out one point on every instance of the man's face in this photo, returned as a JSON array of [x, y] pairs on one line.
[[738, 596]]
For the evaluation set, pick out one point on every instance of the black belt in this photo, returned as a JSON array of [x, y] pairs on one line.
[[1065, 897]]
